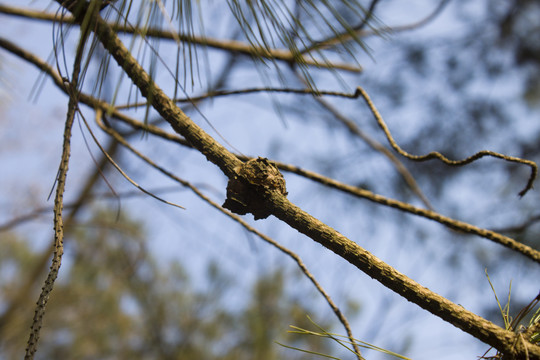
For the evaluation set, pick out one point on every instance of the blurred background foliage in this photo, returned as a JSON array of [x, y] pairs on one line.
[[114, 301]]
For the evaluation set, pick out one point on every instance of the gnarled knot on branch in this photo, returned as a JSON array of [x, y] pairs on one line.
[[247, 191]]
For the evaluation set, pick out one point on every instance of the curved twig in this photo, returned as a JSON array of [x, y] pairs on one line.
[[375, 145], [441, 157]]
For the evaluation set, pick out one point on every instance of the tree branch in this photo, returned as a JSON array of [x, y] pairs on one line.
[[233, 46], [337, 311], [352, 190], [284, 210], [504, 341]]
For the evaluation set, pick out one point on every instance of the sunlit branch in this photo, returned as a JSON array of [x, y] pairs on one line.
[[366, 194], [355, 191], [457, 315], [455, 224], [406, 207], [284, 210], [233, 46]]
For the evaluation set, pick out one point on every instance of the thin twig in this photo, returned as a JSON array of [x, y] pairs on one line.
[[247, 91], [36, 213], [437, 155], [341, 317], [375, 145], [360, 32], [39, 267], [119, 169]]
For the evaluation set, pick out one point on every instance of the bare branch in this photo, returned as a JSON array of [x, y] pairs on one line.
[[428, 214], [303, 222], [355, 191], [233, 46], [59, 197]]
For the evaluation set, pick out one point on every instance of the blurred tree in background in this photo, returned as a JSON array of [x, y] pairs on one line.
[[116, 302], [276, 79]]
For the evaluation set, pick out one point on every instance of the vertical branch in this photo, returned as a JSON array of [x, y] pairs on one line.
[[60, 188], [58, 231]]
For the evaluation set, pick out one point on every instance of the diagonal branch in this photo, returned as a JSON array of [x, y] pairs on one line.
[[458, 316], [411, 209], [465, 320], [337, 311], [284, 210]]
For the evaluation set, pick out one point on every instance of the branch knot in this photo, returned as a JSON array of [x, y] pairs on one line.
[[255, 179]]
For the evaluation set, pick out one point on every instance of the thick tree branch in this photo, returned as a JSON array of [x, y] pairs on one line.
[[180, 122], [337, 311], [279, 206], [502, 340]]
